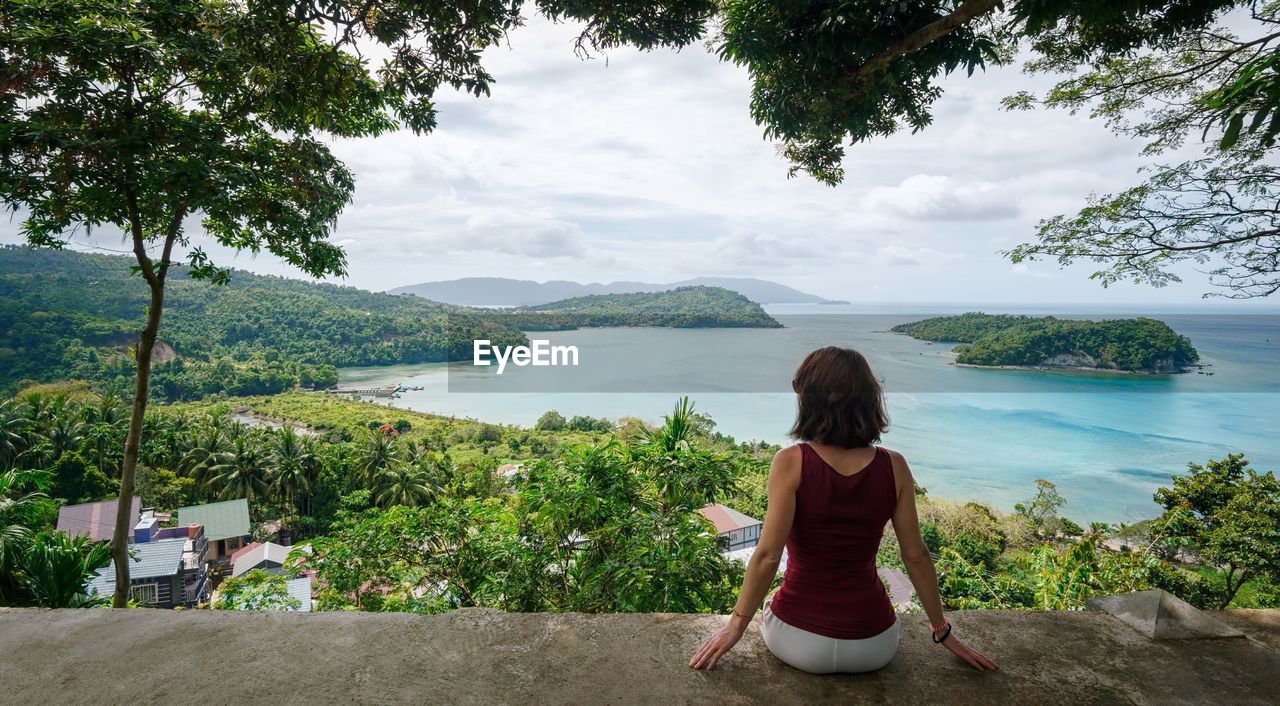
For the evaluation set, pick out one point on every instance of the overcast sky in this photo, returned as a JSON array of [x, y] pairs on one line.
[[649, 167]]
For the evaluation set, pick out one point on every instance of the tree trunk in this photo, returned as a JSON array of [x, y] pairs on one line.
[[133, 442]]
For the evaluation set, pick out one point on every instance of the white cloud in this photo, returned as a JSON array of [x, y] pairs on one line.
[[649, 166], [940, 198]]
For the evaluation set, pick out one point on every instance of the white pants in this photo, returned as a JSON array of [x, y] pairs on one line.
[[819, 654]]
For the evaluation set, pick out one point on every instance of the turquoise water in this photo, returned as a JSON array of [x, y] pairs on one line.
[[1107, 440]]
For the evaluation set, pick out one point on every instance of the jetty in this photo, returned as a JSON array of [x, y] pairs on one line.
[[386, 391]]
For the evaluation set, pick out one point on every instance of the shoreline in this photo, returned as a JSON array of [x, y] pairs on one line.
[[1071, 369]]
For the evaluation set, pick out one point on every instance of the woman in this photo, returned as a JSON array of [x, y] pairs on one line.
[[829, 499]]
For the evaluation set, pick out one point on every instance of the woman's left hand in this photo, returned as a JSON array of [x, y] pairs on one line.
[[718, 644]]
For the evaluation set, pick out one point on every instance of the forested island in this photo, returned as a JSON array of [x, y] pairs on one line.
[[682, 307], [1138, 345], [71, 315]]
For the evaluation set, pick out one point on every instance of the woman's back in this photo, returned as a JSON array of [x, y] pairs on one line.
[[831, 586]]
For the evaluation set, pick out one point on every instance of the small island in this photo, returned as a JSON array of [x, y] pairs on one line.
[[1138, 345], [682, 307]]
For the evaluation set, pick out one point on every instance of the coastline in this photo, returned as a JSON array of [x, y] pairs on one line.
[[1070, 368]]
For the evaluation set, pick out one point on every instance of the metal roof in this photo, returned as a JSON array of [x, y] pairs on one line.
[[223, 520], [267, 551], [300, 588], [150, 560], [726, 519], [97, 520]]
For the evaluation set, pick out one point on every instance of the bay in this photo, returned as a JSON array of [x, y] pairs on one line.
[[1107, 440]]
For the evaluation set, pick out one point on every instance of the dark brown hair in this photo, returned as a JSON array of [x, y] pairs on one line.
[[840, 399]]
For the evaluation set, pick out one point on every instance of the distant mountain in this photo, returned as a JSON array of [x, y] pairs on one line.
[[500, 291]]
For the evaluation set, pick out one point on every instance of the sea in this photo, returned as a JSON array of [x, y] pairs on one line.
[[1107, 440]]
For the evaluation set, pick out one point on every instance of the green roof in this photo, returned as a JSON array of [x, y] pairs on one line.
[[221, 520]]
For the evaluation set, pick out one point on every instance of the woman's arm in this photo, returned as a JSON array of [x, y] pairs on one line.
[[784, 478], [915, 555]]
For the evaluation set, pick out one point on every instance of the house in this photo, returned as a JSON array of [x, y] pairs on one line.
[[734, 530], [96, 520], [169, 566], [226, 525], [300, 588], [267, 556]]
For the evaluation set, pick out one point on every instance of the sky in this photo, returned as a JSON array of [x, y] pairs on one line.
[[648, 166]]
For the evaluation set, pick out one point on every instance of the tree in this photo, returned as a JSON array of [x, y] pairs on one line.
[[830, 74], [240, 473], [141, 115], [404, 484], [551, 420], [77, 481], [1042, 510], [1230, 515], [255, 590]]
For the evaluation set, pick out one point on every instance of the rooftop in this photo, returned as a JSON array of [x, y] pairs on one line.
[[152, 559], [97, 520], [223, 520], [256, 553], [726, 519], [480, 656]]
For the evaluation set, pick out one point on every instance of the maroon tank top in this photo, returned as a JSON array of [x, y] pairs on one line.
[[831, 586]]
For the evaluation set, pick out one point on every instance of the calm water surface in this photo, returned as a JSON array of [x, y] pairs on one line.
[[1107, 440]]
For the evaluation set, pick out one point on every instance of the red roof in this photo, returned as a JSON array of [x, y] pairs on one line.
[[242, 550], [726, 519], [96, 520]]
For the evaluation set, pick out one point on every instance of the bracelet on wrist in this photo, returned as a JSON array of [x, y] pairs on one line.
[[736, 614], [940, 637]]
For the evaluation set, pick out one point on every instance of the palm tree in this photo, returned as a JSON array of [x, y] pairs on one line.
[[403, 484], [65, 433], [377, 453], [294, 464], [12, 424], [239, 473], [21, 503], [205, 452]]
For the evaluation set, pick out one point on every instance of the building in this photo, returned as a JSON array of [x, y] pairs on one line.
[[96, 520], [226, 526], [268, 556], [300, 588], [169, 566], [734, 530]]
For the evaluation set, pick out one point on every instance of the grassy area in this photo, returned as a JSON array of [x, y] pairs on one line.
[[342, 418]]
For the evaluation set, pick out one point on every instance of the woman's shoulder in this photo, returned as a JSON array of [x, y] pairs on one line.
[[788, 461]]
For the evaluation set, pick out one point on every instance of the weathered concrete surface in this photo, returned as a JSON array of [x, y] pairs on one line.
[[119, 656]]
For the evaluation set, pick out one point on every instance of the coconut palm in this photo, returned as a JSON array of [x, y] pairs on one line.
[[294, 466], [377, 453], [12, 424], [207, 448], [404, 484], [240, 472], [55, 569], [21, 505]]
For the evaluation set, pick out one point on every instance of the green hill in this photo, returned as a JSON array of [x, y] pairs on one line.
[[72, 315], [1135, 345], [682, 307]]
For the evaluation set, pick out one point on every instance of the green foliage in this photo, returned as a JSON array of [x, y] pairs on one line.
[[1139, 345], [682, 307], [255, 590], [79, 482], [39, 567], [1229, 515], [603, 529], [551, 420]]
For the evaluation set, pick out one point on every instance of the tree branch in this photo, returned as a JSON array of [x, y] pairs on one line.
[[919, 39]]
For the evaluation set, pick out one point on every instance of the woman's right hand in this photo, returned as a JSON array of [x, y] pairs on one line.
[[976, 659]]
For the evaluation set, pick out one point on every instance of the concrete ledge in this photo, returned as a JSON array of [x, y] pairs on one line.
[[477, 656]]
